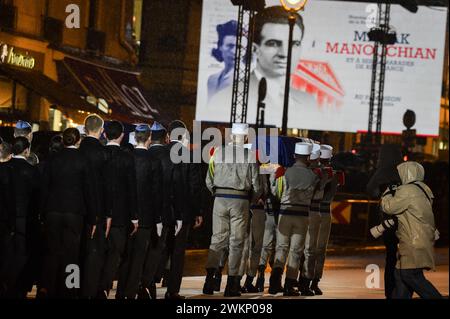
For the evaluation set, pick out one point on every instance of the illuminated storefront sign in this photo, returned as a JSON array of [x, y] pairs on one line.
[[13, 56]]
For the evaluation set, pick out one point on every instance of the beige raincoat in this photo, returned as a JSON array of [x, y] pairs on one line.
[[413, 207]]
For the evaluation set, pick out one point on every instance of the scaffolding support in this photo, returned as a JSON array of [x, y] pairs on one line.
[[243, 59]]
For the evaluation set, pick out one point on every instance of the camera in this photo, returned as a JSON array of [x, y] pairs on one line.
[[378, 230]]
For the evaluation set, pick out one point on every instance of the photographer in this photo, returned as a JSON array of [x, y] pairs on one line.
[[386, 175], [412, 204]]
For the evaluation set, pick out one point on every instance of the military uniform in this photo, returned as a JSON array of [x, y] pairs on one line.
[[295, 189], [254, 241], [333, 179], [308, 265], [269, 240], [232, 181]]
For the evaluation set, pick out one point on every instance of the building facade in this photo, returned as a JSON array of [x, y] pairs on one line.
[[63, 59]]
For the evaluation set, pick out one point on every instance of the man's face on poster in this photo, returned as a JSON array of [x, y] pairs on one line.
[[272, 52]]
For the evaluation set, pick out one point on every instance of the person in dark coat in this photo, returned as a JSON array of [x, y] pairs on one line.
[[148, 178], [157, 257], [385, 175], [120, 203], [36, 260], [67, 204], [180, 208], [7, 209], [24, 185], [94, 246], [182, 185]]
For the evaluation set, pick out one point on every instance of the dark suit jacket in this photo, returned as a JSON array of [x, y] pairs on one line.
[[67, 185], [169, 209], [7, 202], [120, 186], [149, 191], [96, 155], [25, 185], [188, 184]]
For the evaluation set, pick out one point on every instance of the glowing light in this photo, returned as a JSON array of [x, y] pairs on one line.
[[293, 5]]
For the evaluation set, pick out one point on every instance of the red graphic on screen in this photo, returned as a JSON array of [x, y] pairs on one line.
[[318, 79]]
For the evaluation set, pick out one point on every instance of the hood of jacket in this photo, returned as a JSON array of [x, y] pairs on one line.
[[411, 172]]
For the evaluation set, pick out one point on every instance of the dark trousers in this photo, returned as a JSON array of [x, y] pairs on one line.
[[5, 239], [35, 252], [391, 242], [163, 268], [152, 262], [408, 281], [115, 244], [94, 259], [132, 266], [176, 247], [63, 249], [16, 257]]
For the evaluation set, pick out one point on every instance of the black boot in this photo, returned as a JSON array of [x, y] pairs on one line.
[[233, 287], [248, 287], [152, 291], [275, 281], [261, 278], [289, 288], [165, 278], [102, 294], [208, 287], [218, 279], [143, 293], [303, 286], [315, 287]]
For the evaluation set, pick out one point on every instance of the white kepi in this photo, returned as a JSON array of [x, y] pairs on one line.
[[303, 148], [315, 153], [239, 129], [326, 151]]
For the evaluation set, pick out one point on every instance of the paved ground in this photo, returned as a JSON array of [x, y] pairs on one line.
[[344, 276]]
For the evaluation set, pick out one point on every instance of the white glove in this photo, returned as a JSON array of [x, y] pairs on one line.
[[159, 228], [135, 227], [178, 226], [436, 235]]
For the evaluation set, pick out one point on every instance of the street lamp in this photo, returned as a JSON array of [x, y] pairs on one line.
[[292, 7]]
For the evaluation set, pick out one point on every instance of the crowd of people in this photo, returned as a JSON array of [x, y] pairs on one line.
[[94, 212], [108, 211]]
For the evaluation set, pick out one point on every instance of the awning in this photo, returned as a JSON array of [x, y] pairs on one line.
[[120, 89], [46, 87]]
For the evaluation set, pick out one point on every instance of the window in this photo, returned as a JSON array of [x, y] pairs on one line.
[[13, 95], [5, 93], [22, 98]]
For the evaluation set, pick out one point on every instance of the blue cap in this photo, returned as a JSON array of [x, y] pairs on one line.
[[142, 128], [157, 127], [22, 125]]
